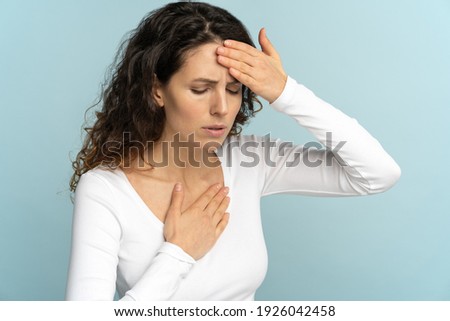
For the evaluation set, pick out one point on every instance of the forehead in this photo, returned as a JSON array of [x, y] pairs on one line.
[[207, 50], [201, 62]]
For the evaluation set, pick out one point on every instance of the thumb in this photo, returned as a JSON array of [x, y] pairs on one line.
[[266, 45], [176, 200]]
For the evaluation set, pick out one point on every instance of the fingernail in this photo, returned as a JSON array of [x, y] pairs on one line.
[[220, 50], [226, 190], [218, 186], [227, 43], [178, 187]]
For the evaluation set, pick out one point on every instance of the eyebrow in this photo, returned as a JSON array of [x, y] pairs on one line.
[[212, 81]]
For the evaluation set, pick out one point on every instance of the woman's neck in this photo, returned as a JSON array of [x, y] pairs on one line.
[[178, 161]]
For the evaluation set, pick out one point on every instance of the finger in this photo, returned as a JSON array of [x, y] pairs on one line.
[[222, 224], [231, 63], [220, 211], [206, 197], [252, 51], [236, 55], [216, 201], [176, 200], [266, 45], [243, 78]]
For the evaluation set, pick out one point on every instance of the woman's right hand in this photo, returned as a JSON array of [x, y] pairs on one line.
[[197, 228]]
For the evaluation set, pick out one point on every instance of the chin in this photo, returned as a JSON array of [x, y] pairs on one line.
[[208, 143]]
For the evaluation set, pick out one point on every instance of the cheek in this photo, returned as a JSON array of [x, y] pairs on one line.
[[181, 108]]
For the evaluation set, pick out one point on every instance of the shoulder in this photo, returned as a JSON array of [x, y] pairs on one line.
[[242, 139], [99, 193], [246, 149], [247, 141], [97, 210], [100, 180], [234, 145]]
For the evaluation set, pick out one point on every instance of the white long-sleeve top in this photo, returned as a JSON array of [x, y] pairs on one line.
[[118, 243]]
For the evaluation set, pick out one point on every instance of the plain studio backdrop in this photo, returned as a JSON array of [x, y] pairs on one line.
[[385, 63]]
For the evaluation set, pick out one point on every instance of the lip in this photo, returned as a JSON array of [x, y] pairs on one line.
[[215, 130]]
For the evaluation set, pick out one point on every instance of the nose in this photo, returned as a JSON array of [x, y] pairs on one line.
[[219, 103]]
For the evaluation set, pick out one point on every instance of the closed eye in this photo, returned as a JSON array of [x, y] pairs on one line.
[[234, 92], [235, 89], [199, 92]]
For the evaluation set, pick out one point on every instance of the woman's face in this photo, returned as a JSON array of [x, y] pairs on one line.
[[201, 98]]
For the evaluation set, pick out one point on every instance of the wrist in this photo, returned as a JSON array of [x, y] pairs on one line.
[[279, 89]]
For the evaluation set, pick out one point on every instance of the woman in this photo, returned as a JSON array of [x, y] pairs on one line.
[[167, 191]]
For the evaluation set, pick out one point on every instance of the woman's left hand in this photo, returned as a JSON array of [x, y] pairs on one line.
[[261, 71]]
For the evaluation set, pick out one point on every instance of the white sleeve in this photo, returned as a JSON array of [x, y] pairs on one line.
[[353, 162], [96, 237]]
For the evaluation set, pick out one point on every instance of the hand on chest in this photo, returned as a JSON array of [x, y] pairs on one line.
[[156, 192]]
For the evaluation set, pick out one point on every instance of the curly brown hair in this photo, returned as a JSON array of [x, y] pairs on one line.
[[158, 46]]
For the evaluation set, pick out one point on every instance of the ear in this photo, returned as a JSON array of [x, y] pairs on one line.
[[157, 91]]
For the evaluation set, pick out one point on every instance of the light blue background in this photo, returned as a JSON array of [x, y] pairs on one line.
[[386, 63]]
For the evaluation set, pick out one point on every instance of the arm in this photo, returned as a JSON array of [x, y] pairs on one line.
[[365, 168], [97, 235], [94, 258], [353, 163]]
